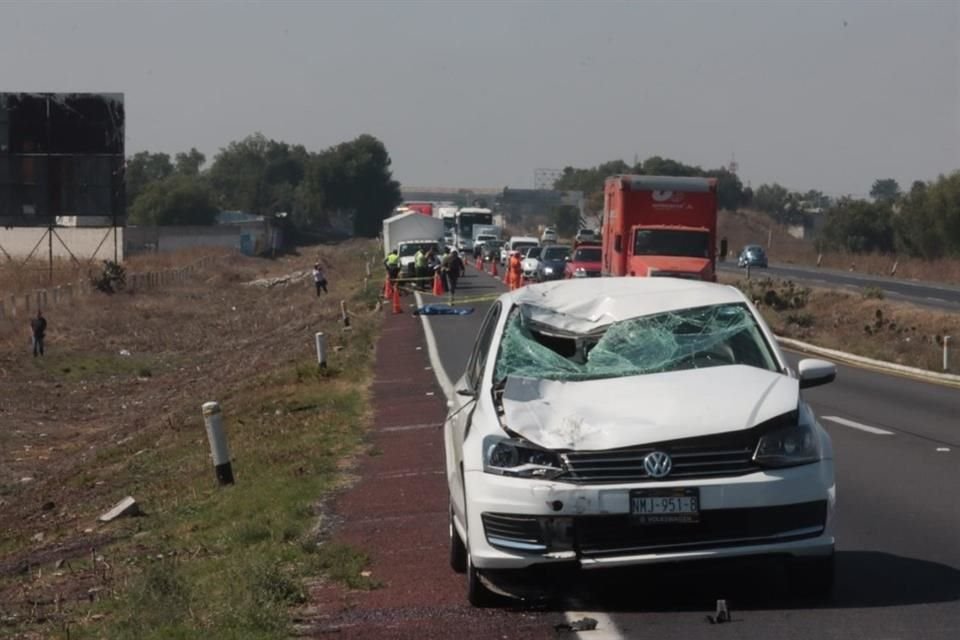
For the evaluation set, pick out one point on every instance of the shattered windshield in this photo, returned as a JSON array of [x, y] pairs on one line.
[[694, 338]]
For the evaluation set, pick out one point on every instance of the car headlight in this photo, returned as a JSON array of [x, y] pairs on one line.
[[788, 446], [519, 459]]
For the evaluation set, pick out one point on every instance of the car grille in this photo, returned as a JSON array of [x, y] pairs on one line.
[[608, 535], [727, 454], [620, 534]]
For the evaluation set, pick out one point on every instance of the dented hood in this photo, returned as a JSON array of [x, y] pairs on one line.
[[610, 413]]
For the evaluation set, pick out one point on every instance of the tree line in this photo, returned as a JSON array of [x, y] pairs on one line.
[[922, 222], [265, 177]]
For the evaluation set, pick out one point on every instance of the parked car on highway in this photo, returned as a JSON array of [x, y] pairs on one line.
[[530, 262], [549, 235], [553, 260], [584, 263], [632, 421], [752, 255]]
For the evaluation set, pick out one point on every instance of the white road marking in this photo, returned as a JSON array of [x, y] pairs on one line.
[[606, 629], [858, 425], [943, 449], [442, 378]]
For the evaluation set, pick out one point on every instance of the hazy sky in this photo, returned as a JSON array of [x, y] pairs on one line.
[[824, 95]]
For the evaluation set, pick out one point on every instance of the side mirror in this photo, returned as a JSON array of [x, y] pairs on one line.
[[813, 372]]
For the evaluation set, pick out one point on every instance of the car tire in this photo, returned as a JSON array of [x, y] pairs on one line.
[[477, 593], [814, 577], [458, 550]]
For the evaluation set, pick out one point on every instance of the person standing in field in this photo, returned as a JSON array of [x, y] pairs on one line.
[[38, 328], [319, 278]]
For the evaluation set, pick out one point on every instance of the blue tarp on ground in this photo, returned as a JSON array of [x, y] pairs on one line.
[[442, 310]]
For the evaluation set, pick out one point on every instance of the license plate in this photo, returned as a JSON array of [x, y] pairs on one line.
[[665, 506]]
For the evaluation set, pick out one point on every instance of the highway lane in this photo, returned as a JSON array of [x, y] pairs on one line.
[[929, 294], [897, 525]]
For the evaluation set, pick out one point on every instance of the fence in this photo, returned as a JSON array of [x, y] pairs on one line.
[[14, 305]]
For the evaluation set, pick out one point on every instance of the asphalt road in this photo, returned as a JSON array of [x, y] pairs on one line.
[[897, 451], [929, 294]]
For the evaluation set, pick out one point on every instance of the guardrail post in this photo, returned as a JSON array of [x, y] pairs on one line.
[[213, 421], [748, 271], [321, 350], [946, 353]]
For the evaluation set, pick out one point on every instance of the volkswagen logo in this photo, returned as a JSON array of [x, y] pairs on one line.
[[657, 464]]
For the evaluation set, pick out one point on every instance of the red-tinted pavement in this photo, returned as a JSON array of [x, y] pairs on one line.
[[397, 513]]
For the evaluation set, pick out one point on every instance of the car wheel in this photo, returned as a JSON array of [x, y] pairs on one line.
[[477, 593], [458, 551], [814, 577]]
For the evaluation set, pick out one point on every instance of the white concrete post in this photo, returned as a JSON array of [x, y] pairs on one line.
[[344, 315], [213, 421], [748, 271], [946, 353], [321, 349]]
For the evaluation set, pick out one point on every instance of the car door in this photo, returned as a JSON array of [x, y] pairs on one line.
[[466, 393]]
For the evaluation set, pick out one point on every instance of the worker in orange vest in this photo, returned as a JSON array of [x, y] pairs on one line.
[[516, 271]]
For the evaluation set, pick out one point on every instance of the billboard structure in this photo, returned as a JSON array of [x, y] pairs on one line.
[[61, 157]]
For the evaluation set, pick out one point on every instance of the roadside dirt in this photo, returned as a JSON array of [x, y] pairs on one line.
[[397, 512], [124, 366]]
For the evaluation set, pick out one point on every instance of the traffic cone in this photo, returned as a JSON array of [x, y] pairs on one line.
[[506, 276], [479, 263], [493, 267], [387, 294], [396, 301], [437, 284]]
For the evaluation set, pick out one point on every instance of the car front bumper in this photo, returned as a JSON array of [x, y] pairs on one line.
[[515, 523]]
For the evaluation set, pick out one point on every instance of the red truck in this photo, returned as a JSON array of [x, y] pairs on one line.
[[424, 208], [660, 226]]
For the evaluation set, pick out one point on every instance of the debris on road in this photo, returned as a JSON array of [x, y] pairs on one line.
[[722, 615], [442, 310], [574, 626]]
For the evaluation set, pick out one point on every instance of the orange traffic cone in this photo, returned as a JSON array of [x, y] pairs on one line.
[[479, 263], [493, 267], [396, 300], [437, 284], [387, 294]]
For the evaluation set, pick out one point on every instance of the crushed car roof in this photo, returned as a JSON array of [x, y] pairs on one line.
[[586, 305]]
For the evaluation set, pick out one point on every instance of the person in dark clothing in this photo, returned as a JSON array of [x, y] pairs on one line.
[[38, 326], [453, 269], [319, 278]]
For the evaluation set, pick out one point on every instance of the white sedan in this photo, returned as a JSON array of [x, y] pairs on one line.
[[627, 421], [530, 262]]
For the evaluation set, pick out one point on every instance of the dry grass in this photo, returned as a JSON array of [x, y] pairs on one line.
[[856, 323], [87, 425], [750, 227]]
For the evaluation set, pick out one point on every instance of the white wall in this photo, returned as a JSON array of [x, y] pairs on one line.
[[82, 242]]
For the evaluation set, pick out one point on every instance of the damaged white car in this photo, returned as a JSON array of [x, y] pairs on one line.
[[626, 421]]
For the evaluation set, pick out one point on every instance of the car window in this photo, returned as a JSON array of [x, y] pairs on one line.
[[693, 338], [556, 253], [478, 358]]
